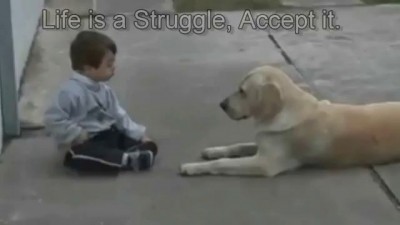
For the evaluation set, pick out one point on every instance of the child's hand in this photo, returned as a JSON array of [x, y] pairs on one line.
[[145, 138], [83, 136]]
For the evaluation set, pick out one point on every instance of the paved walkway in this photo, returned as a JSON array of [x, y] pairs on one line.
[[173, 83]]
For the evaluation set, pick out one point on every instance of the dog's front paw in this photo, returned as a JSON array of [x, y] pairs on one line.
[[212, 153], [187, 169], [184, 170]]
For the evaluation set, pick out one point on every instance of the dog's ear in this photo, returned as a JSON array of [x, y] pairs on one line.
[[269, 101]]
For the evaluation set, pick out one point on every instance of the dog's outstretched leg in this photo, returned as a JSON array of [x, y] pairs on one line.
[[230, 151], [247, 166]]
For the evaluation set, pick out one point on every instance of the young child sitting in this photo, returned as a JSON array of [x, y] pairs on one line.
[[87, 116]]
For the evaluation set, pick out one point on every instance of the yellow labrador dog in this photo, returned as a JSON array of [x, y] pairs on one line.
[[295, 129]]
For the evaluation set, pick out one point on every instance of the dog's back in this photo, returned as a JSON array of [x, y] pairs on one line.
[[350, 135]]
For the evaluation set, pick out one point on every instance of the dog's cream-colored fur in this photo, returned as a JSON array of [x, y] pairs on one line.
[[295, 129]]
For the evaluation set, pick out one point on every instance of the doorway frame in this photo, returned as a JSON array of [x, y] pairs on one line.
[[8, 83]]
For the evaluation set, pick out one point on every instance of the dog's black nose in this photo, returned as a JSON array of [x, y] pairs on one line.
[[224, 104]]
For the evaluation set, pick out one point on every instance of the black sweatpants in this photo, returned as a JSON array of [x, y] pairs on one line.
[[104, 152]]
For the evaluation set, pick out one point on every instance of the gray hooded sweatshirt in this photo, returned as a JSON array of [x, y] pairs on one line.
[[83, 104]]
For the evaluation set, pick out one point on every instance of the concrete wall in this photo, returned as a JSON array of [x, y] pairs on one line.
[[25, 18], [1, 128], [228, 5]]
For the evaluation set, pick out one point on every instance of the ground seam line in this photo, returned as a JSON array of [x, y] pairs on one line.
[[374, 174], [385, 187], [290, 62]]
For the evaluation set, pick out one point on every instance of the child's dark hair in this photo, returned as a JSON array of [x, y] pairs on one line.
[[88, 48]]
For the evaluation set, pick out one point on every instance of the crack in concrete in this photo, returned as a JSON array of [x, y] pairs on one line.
[[374, 173]]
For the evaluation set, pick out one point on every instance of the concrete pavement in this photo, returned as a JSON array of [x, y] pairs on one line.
[[173, 83]]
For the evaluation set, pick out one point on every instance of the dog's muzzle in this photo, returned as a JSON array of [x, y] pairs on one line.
[[224, 104]]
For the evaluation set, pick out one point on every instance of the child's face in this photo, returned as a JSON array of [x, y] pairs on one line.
[[106, 69]]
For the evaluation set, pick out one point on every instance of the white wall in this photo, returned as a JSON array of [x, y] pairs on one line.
[[25, 15], [25, 19]]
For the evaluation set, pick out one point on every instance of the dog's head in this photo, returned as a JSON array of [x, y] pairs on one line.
[[264, 94], [258, 95]]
